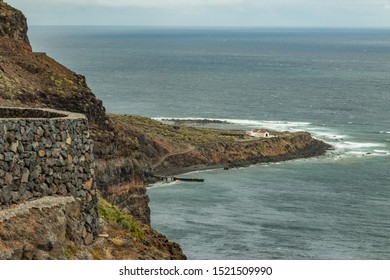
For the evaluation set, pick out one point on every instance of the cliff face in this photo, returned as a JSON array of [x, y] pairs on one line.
[[40, 229], [29, 79], [34, 79], [287, 146], [126, 150], [13, 24], [173, 149], [47, 229], [121, 182]]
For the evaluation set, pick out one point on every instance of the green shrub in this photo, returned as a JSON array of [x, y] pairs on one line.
[[70, 252], [127, 222]]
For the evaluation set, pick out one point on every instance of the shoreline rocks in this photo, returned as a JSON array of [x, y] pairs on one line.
[[242, 154]]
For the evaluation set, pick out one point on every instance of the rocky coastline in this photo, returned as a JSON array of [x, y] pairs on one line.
[[126, 149], [313, 148]]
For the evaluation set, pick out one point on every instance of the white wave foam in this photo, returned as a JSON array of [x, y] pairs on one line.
[[366, 154], [355, 153], [358, 145], [362, 149], [328, 135], [384, 132], [382, 151], [274, 125], [162, 184]]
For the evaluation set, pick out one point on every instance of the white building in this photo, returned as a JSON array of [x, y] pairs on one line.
[[259, 133]]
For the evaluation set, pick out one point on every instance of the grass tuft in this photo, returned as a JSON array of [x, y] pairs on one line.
[[71, 252], [127, 222]]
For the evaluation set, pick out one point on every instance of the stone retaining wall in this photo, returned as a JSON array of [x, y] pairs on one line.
[[47, 153]]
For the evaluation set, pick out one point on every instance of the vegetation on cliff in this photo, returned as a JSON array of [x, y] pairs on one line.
[[174, 149], [34, 79], [29, 79], [124, 238], [112, 214], [126, 150], [13, 24]]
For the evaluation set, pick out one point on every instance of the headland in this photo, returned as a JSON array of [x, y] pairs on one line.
[[126, 149]]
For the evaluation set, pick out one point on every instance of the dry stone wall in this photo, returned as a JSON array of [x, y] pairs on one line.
[[47, 153]]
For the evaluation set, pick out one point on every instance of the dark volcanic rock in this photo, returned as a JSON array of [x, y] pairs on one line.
[[121, 182], [29, 79], [13, 24], [124, 151]]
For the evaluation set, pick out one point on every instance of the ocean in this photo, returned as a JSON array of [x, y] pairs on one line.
[[333, 83]]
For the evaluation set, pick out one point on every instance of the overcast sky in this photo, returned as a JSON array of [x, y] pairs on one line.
[[286, 13]]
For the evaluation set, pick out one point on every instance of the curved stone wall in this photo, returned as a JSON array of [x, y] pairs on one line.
[[46, 152]]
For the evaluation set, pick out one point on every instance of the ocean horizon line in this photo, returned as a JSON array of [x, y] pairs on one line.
[[237, 27]]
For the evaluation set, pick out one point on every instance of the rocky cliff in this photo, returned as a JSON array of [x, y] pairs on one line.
[[127, 150], [34, 79], [13, 24], [174, 149], [47, 228], [29, 79], [243, 153]]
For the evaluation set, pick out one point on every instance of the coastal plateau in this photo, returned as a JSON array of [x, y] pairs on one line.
[[129, 152]]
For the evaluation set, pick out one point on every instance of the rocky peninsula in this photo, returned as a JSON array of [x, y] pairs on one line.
[[126, 150]]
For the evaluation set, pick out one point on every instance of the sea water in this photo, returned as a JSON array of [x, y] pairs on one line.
[[334, 83]]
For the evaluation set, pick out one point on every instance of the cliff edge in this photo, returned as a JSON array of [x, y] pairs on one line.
[[128, 151], [41, 214], [35, 80], [13, 24]]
